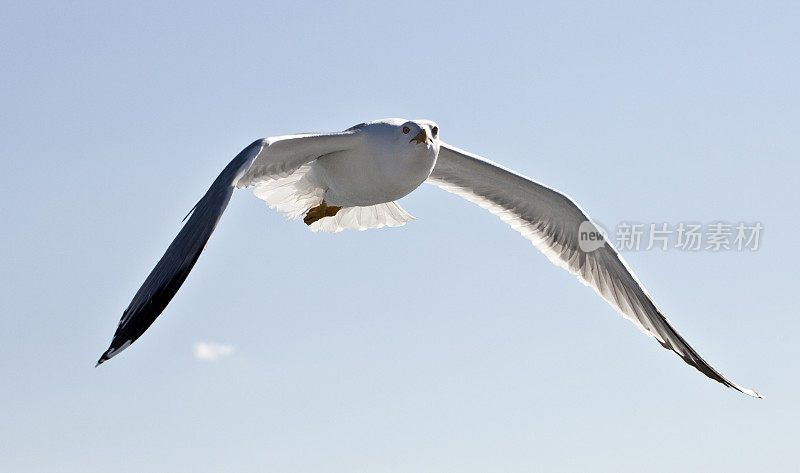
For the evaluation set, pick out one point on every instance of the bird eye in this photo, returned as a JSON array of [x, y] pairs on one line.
[[435, 130], [406, 130]]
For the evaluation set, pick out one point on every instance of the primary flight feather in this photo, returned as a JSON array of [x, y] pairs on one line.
[[352, 180]]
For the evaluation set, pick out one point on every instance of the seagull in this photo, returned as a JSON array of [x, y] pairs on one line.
[[353, 179]]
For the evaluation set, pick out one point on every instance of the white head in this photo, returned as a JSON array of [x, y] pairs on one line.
[[401, 150], [422, 132], [406, 136]]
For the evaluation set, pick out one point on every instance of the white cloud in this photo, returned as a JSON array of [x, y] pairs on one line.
[[211, 351]]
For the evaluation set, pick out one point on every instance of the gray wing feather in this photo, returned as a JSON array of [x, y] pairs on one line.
[[263, 160], [283, 155], [551, 220], [171, 271]]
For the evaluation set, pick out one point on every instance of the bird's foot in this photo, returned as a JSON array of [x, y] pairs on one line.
[[320, 211]]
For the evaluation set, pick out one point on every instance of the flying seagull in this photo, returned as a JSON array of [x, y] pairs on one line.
[[353, 179]]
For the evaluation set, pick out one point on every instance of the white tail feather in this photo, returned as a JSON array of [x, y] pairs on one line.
[[362, 218], [295, 194]]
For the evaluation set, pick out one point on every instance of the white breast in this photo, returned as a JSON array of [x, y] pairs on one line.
[[383, 169]]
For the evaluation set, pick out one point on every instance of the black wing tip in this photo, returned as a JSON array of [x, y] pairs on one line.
[[104, 357], [113, 351], [744, 390], [715, 375], [693, 359]]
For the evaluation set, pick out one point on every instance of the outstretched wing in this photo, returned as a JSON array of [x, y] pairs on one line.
[[264, 159], [551, 220]]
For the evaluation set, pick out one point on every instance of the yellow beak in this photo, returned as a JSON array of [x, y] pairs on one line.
[[422, 137]]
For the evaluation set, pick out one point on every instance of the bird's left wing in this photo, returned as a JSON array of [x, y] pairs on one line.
[[264, 159], [553, 222]]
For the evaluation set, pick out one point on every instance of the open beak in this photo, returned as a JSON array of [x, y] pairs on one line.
[[422, 137]]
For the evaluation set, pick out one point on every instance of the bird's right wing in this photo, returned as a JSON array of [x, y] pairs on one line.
[[264, 159], [555, 224], [283, 155]]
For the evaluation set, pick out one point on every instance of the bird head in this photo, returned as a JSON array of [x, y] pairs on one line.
[[421, 132]]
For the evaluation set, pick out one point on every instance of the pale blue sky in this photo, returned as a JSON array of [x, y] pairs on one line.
[[447, 345]]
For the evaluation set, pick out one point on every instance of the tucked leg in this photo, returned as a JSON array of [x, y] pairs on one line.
[[320, 211]]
